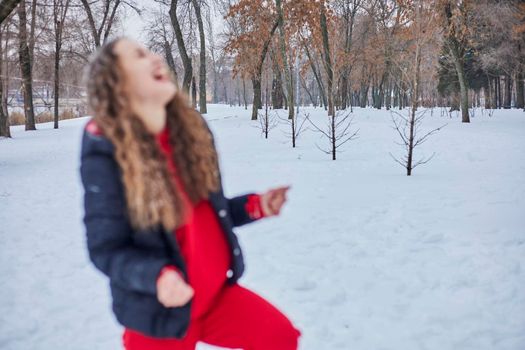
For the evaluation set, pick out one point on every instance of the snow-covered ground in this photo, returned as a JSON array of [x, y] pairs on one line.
[[362, 256]]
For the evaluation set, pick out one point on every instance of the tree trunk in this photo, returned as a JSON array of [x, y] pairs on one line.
[[237, 90], [91, 21], [454, 105], [202, 67], [508, 92], [257, 103], [500, 94], [396, 95], [401, 93], [193, 92], [457, 50], [364, 94], [186, 60], [381, 91], [56, 86], [31, 39], [215, 98], [307, 90], [333, 136], [287, 69], [244, 94], [277, 87], [59, 15], [463, 88], [4, 118], [317, 76], [344, 92], [225, 92], [171, 62], [414, 93], [495, 93], [257, 77], [520, 91], [25, 67], [327, 60], [349, 17], [486, 96], [388, 97]]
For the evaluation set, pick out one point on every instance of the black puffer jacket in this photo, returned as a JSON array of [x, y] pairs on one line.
[[133, 259]]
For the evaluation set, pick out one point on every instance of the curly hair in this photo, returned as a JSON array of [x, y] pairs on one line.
[[152, 197]]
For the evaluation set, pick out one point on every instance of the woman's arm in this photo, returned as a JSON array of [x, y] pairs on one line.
[[242, 209], [108, 230], [250, 207]]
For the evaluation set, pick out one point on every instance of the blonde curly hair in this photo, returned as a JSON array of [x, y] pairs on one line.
[[152, 197]]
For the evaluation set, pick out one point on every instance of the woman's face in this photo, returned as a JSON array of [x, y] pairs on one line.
[[147, 78]]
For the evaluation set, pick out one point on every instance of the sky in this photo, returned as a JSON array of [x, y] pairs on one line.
[[133, 25]]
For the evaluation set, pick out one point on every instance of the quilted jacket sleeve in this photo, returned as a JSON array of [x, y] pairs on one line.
[[245, 209], [108, 231]]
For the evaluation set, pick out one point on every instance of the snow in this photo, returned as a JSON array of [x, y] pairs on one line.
[[361, 257]]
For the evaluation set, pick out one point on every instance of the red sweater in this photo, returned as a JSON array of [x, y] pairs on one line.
[[203, 244]]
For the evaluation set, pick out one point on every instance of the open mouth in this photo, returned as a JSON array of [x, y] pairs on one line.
[[160, 76]]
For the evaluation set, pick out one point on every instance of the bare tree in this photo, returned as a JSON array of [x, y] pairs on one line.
[[161, 38], [337, 131], [102, 16], [60, 8], [407, 128], [186, 60], [267, 120], [4, 117], [216, 57], [25, 68], [349, 12], [314, 66], [327, 60], [288, 73], [202, 63], [296, 126], [457, 29]]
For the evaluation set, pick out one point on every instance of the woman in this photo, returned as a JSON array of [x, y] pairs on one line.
[[157, 221]]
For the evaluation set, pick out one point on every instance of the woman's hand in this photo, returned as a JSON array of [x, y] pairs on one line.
[[273, 200], [172, 290]]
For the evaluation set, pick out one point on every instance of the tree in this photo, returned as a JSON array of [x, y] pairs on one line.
[[186, 60], [349, 12], [519, 34], [337, 131], [25, 68], [251, 26], [327, 60], [202, 66], [457, 33], [60, 8], [107, 13], [282, 49], [4, 117], [161, 38], [422, 25]]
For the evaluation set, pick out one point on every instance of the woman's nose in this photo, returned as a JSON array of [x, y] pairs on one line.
[[157, 59]]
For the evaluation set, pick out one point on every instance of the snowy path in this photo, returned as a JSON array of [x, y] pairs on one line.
[[362, 257]]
